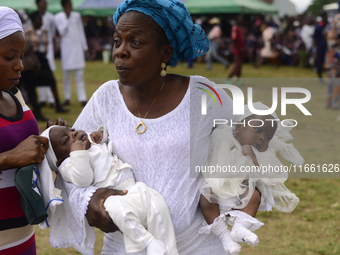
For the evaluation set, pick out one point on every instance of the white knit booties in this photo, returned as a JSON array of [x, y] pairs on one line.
[[156, 247], [243, 225], [220, 228]]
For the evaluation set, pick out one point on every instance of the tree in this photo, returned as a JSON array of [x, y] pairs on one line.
[[316, 7]]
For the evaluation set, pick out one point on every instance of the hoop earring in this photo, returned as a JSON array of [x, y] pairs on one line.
[[163, 72]]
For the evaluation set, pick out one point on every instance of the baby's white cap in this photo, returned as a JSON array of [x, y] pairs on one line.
[[50, 155]]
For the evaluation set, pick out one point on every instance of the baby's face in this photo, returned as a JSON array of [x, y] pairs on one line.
[[257, 136], [62, 138]]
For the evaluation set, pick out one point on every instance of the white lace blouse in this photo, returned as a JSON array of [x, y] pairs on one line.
[[160, 157]]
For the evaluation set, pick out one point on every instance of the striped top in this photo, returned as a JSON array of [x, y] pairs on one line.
[[16, 235]]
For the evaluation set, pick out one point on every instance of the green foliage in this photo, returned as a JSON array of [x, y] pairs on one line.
[[316, 7]]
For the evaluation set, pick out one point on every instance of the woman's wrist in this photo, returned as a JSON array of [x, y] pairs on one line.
[[6, 160]]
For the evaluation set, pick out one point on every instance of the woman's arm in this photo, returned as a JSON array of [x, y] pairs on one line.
[[29, 151], [253, 204], [86, 202], [96, 214]]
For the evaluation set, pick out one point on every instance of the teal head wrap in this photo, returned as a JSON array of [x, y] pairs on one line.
[[188, 39]]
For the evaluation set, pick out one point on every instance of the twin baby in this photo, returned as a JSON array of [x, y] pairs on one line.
[[87, 159]]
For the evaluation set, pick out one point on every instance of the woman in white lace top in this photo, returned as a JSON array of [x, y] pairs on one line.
[[155, 122]]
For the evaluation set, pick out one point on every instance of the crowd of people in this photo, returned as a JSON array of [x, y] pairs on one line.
[[40, 29], [256, 39], [293, 37], [302, 41], [299, 41]]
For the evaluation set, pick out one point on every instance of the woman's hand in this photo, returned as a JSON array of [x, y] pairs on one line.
[[29, 151], [96, 214], [60, 122]]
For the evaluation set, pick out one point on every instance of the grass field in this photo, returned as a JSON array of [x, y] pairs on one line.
[[314, 226]]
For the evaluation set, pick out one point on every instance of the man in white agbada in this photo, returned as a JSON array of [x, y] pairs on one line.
[[72, 46], [49, 26], [307, 32]]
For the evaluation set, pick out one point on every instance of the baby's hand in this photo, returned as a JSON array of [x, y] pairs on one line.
[[96, 136], [248, 151], [78, 145]]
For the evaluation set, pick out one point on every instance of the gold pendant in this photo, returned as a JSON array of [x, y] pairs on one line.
[[140, 124]]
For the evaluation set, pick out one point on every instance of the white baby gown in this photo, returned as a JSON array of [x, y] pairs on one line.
[[233, 187]]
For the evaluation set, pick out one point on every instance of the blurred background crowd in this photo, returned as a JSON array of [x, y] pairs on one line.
[[293, 36], [305, 40]]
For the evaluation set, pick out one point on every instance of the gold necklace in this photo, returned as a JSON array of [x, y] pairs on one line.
[[141, 121]]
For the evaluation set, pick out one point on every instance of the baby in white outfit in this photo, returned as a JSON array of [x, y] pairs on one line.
[[87, 159], [250, 145]]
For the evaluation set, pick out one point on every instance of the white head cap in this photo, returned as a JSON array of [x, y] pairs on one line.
[[50, 155], [9, 22]]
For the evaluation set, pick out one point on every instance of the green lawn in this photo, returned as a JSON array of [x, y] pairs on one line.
[[314, 226]]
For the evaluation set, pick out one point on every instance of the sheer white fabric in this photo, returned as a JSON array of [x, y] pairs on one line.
[[160, 158], [234, 189], [73, 229]]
